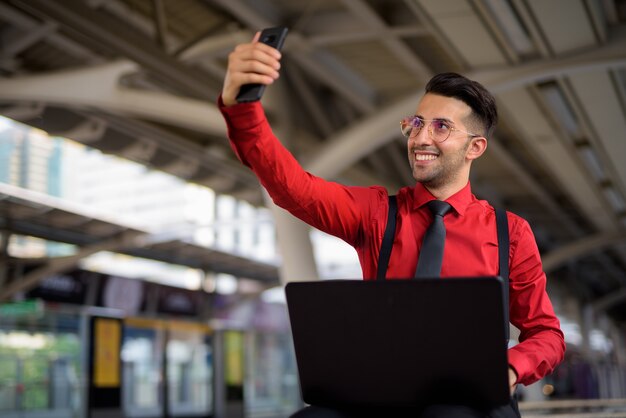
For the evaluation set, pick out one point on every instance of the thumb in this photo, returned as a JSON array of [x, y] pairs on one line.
[[256, 38]]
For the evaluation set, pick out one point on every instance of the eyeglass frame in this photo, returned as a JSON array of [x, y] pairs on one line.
[[430, 131]]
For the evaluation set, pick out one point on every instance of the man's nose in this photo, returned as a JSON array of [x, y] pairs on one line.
[[423, 137]]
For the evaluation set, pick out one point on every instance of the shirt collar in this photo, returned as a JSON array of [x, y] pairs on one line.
[[459, 201]]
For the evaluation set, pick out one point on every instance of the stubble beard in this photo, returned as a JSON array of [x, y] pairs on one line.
[[445, 172]]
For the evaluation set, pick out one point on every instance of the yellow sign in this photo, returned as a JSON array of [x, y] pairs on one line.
[[107, 336], [234, 358]]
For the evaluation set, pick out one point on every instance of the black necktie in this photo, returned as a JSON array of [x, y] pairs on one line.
[[431, 254]]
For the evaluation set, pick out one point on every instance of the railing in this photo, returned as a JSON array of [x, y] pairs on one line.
[[575, 408]]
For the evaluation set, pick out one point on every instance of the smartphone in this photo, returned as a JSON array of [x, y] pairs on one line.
[[274, 37]]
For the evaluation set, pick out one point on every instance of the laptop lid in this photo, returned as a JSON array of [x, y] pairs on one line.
[[400, 343]]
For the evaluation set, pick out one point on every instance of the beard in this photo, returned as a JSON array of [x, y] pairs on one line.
[[445, 171]]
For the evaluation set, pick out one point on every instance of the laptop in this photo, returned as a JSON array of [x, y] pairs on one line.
[[400, 343]]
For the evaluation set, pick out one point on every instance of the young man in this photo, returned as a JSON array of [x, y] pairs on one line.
[[447, 133]]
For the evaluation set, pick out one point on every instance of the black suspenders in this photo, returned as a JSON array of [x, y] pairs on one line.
[[502, 225], [390, 233]]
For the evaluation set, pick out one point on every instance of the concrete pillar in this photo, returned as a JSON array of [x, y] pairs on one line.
[[294, 244], [617, 336]]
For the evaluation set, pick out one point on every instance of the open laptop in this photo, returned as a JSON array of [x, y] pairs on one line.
[[400, 343]]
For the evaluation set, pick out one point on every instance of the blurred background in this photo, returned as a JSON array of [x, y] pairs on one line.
[[141, 266]]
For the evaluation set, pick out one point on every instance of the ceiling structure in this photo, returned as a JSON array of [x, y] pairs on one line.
[[139, 79]]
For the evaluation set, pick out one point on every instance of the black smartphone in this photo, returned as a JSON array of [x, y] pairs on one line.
[[274, 37]]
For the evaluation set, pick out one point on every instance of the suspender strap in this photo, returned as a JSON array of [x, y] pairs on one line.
[[502, 225], [390, 232], [503, 259]]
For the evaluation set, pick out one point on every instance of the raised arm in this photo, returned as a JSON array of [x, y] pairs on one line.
[[331, 207]]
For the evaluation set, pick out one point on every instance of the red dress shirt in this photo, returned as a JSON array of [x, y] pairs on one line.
[[358, 215]]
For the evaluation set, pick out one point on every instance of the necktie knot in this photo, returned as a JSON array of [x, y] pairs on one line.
[[438, 207]]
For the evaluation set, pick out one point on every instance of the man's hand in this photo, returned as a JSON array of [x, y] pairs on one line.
[[512, 380], [252, 63]]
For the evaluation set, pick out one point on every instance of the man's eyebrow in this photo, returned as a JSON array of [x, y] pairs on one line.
[[441, 119]]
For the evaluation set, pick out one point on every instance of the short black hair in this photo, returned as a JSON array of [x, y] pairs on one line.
[[472, 93]]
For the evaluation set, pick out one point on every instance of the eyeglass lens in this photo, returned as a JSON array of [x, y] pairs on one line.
[[437, 129]]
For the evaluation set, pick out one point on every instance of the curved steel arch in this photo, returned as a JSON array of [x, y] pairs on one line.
[[366, 135], [580, 248], [98, 86]]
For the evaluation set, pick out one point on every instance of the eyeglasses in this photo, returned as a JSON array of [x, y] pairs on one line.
[[438, 129]]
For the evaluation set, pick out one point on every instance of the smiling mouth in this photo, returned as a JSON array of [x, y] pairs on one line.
[[425, 157]]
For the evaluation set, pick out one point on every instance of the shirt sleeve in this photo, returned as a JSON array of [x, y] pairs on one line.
[[542, 345], [331, 207]]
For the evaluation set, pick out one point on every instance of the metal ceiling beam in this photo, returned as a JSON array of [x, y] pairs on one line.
[[581, 248], [607, 302], [612, 55], [24, 111], [422, 16], [216, 45], [99, 87], [29, 24], [319, 64], [370, 34], [15, 46], [532, 26], [401, 51], [160, 23], [363, 137], [310, 101], [76, 16]]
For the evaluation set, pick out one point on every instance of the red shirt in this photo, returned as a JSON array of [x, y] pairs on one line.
[[358, 215]]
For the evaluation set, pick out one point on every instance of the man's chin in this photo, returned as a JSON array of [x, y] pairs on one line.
[[424, 179]]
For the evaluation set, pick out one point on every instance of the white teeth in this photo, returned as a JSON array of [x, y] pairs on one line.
[[423, 157]]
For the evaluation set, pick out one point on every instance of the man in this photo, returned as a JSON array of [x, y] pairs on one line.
[[447, 133]]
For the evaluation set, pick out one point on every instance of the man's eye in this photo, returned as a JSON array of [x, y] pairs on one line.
[[440, 125]]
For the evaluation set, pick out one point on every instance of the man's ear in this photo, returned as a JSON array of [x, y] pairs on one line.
[[476, 148]]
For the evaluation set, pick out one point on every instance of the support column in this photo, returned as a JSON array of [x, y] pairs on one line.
[[617, 336], [586, 326], [294, 244]]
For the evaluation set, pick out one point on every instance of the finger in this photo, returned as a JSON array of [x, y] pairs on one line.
[[264, 47], [269, 50], [252, 78], [263, 57], [253, 61], [253, 67], [256, 51]]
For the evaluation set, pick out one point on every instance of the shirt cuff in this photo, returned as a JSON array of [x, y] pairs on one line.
[[518, 362], [243, 116]]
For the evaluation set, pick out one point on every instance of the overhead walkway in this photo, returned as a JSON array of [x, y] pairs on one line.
[[25, 212]]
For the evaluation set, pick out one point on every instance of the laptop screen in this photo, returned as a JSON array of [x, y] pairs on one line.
[[404, 343]]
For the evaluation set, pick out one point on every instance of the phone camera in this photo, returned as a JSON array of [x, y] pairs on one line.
[[269, 39]]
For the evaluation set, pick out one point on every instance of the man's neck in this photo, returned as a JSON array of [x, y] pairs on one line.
[[444, 192]]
